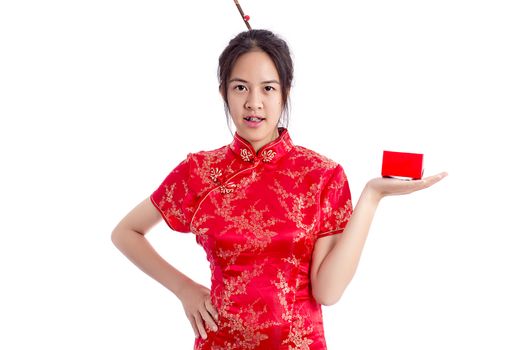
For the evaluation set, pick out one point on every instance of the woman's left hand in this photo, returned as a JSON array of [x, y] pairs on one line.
[[391, 186]]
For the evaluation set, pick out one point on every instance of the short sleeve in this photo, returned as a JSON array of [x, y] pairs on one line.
[[336, 206], [171, 198]]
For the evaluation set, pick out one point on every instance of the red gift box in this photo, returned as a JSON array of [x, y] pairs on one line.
[[402, 165]]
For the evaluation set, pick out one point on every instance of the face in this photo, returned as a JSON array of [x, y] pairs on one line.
[[255, 98]]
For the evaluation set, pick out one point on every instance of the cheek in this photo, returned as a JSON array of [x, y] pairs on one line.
[[234, 96], [275, 100], [235, 108], [231, 100]]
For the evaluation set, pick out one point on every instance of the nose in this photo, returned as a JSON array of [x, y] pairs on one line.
[[254, 101]]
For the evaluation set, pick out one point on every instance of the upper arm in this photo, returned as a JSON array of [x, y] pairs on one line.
[[321, 249], [141, 218], [174, 199], [335, 208]]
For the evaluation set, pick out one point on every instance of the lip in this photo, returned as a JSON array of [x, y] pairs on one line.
[[253, 124], [254, 116]]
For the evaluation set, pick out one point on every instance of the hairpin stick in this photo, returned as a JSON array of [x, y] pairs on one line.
[[244, 17]]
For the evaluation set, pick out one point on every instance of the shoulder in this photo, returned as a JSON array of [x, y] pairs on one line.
[[203, 157], [308, 156], [315, 167]]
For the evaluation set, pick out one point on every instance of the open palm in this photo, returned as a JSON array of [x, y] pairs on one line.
[[391, 186]]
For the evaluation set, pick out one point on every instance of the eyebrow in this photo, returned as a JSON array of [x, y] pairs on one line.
[[245, 81]]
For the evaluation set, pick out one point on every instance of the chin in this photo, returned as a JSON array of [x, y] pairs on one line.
[[260, 132]]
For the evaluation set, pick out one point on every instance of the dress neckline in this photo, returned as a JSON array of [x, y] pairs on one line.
[[269, 153]]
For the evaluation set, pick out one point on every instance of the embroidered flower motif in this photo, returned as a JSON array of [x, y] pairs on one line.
[[215, 173], [227, 188], [246, 154], [268, 155]]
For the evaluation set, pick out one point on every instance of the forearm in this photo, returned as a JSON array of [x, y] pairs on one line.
[[340, 264], [139, 251]]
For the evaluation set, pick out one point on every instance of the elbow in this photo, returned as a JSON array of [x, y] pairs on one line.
[[330, 301], [115, 237], [326, 298], [122, 237]]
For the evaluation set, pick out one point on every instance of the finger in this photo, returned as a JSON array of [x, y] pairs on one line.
[[193, 325], [211, 308], [430, 180], [200, 325], [436, 178], [207, 316]]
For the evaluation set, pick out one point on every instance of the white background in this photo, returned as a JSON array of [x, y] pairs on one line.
[[99, 100]]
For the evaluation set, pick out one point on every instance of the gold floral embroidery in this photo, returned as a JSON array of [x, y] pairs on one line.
[[268, 155], [283, 290], [293, 260], [246, 155], [298, 336], [246, 323], [215, 173], [227, 188], [300, 203], [173, 211]]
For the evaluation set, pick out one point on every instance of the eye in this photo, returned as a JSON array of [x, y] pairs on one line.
[[269, 88], [240, 88]]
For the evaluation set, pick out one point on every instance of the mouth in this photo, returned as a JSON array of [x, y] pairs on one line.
[[254, 118]]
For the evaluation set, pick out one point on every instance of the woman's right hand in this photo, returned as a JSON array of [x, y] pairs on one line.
[[196, 300]]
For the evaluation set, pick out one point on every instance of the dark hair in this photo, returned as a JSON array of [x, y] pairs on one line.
[[275, 47]]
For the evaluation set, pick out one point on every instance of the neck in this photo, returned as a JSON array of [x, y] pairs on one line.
[[259, 144]]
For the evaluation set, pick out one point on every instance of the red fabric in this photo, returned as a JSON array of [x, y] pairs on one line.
[[257, 216]]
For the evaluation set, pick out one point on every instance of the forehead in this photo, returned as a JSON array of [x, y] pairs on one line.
[[256, 66]]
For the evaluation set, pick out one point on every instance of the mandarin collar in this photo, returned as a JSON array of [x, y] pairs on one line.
[[269, 153]]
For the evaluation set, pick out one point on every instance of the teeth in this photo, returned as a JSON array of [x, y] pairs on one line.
[[252, 119]]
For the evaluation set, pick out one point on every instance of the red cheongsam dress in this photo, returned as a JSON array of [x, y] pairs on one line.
[[257, 216]]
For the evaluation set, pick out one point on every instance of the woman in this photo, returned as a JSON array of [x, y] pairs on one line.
[[276, 219]]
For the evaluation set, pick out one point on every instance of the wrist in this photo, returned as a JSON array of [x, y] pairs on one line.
[[182, 286], [372, 193]]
